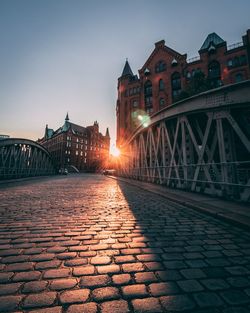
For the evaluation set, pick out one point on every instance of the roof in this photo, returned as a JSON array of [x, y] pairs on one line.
[[49, 132], [127, 70], [107, 133], [77, 128], [212, 38]]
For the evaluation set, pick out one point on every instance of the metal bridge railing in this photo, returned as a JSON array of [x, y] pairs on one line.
[[24, 158], [200, 144], [238, 177]]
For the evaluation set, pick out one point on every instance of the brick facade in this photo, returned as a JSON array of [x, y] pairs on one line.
[[76, 146], [166, 75]]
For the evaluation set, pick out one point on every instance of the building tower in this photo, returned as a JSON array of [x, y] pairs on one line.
[[127, 99]]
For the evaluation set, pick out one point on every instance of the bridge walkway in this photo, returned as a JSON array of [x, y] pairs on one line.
[[89, 243]]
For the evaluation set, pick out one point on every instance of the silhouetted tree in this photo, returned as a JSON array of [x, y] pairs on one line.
[[197, 84]]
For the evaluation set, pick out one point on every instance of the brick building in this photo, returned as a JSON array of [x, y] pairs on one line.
[[73, 146], [166, 76]]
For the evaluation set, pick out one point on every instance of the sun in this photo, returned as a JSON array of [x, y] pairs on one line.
[[114, 151]]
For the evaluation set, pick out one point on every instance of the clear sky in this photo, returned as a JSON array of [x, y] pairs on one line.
[[66, 55]]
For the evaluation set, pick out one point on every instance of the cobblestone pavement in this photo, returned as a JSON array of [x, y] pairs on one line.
[[88, 243]]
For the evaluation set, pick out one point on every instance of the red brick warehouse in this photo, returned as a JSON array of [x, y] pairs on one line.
[[76, 147], [167, 75]]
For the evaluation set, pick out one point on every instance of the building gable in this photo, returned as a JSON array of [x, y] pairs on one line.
[[161, 51]]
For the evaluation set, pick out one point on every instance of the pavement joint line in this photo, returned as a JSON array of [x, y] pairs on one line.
[[218, 214]]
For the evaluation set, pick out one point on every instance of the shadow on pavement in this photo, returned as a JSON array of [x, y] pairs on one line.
[[191, 260]]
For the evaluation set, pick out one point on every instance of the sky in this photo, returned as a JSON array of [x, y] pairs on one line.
[[59, 56]]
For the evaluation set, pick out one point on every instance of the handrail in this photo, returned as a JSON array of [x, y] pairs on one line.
[[235, 45]]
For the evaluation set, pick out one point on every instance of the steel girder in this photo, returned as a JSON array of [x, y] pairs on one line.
[[205, 149], [24, 158]]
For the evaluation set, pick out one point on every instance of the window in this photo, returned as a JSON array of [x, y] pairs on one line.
[[239, 77], [176, 84], [148, 88], [148, 94], [161, 85], [148, 101], [176, 93], [76, 152], [236, 61], [188, 75], [135, 104], [149, 110], [176, 81], [161, 102], [243, 60], [160, 67], [229, 63], [214, 74], [214, 69]]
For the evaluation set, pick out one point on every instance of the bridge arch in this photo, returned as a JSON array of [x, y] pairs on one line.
[[24, 158]]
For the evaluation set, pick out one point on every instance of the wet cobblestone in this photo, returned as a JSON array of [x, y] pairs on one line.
[[88, 243]]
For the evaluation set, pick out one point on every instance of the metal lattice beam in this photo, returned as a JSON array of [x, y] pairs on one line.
[[24, 158], [203, 149]]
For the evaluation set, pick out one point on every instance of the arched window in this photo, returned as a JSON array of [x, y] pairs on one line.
[[239, 77], [176, 84], [148, 96], [214, 74], [161, 85], [160, 66]]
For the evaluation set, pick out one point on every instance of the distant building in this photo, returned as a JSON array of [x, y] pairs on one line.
[[166, 76], [4, 136], [74, 146]]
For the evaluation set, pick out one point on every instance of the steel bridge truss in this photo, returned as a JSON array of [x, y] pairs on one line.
[[206, 151], [24, 158]]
